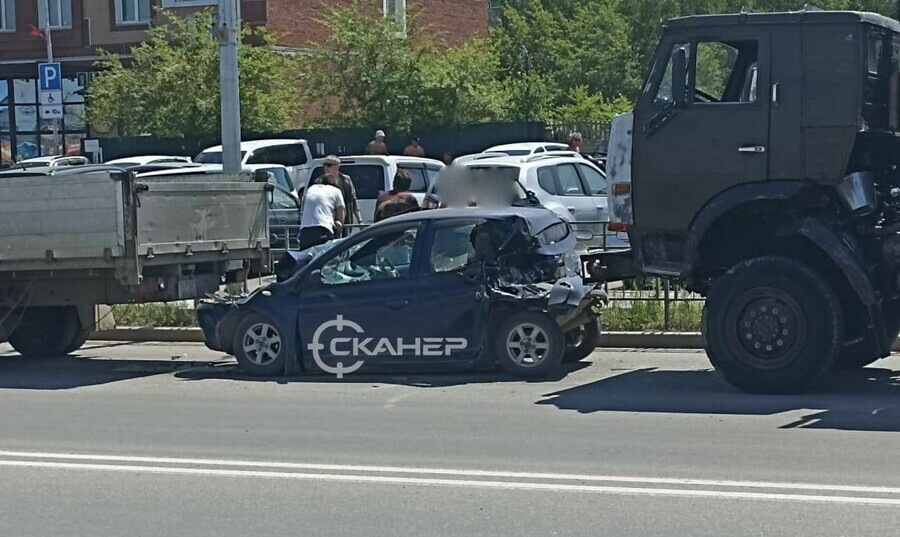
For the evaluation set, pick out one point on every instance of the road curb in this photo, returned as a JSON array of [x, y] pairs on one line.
[[648, 340]]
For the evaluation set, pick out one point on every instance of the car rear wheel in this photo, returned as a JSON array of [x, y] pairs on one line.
[[529, 344], [582, 341], [259, 346]]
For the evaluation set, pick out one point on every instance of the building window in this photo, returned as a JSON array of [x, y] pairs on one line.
[[189, 3], [132, 11], [396, 9], [60, 13], [7, 15]]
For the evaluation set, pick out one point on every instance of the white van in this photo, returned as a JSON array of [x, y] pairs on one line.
[[295, 155], [374, 174]]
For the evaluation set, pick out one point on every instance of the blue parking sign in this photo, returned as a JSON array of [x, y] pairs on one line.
[[50, 76]]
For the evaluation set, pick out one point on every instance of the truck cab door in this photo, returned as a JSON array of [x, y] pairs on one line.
[[701, 127]]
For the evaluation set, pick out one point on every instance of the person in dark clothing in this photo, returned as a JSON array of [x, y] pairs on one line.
[[399, 200]]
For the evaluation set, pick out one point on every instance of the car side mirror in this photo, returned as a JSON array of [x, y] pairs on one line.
[[679, 74]]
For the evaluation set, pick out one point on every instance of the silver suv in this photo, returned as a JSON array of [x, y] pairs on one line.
[[564, 182]]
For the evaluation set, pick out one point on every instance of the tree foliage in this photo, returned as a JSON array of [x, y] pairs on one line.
[[369, 73], [171, 87]]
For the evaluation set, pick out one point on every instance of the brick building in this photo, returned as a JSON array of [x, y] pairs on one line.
[[81, 28]]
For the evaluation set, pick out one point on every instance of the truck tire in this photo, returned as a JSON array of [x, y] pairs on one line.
[[529, 344], [46, 331], [582, 341], [773, 325], [259, 346]]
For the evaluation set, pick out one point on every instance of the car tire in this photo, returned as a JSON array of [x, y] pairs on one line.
[[43, 332], [582, 341], [259, 346], [773, 325], [529, 344]]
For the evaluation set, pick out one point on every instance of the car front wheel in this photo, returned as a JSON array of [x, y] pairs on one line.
[[259, 346], [529, 344]]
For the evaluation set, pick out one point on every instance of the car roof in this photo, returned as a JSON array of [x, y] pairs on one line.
[[808, 16], [380, 159], [537, 217], [58, 170], [520, 162], [520, 145], [245, 167], [144, 159], [253, 145]]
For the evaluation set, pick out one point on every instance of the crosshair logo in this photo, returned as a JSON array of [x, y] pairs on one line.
[[316, 346]]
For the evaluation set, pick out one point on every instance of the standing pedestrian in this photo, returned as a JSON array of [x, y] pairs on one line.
[[414, 149], [398, 200], [332, 167], [377, 146], [323, 213], [447, 159], [575, 140]]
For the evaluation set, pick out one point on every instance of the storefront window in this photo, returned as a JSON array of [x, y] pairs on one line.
[[25, 135]]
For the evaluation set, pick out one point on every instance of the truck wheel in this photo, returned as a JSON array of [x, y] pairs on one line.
[[773, 325], [259, 346], [529, 344], [46, 331], [582, 341]]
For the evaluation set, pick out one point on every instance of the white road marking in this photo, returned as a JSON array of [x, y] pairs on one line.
[[503, 485], [452, 472]]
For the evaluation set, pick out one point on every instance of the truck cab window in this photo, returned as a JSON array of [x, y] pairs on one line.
[[725, 72], [664, 92]]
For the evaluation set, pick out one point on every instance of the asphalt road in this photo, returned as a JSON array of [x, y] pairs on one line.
[[153, 439]]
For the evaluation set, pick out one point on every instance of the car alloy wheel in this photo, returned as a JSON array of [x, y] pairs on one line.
[[262, 344], [528, 345]]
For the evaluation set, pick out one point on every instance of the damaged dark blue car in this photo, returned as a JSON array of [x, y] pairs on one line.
[[448, 289]]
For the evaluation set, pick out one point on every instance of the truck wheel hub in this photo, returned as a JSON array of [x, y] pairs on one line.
[[769, 325]]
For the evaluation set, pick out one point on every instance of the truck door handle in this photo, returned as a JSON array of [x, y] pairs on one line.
[[752, 149]]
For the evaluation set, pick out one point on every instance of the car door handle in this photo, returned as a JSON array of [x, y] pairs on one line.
[[397, 304], [752, 149], [570, 208]]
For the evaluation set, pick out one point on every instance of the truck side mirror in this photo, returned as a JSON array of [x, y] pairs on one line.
[[679, 75]]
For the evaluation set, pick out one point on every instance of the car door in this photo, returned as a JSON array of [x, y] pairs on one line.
[[451, 288], [284, 218], [573, 196], [361, 300], [596, 186]]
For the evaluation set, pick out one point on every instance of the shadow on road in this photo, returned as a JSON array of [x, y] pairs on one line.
[[864, 400], [67, 372], [441, 379]]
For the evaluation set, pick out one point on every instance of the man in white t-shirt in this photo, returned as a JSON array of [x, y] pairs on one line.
[[323, 213]]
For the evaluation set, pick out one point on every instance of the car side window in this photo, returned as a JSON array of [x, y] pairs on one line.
[[546, 180], [419, 181], [569, 182], [451, 248], [596, 183], [539, 150], [385, 256], [282, 200], [260, 156], [432, 173]]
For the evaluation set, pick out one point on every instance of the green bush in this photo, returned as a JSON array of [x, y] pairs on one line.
[[639, 316]]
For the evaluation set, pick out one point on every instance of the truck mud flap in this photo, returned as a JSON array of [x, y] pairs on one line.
[[609, 266]]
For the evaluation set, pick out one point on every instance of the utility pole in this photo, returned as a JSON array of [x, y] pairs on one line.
[[228, 26], [57, 147]]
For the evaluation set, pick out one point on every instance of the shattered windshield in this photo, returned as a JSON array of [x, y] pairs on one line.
[[385, 256]]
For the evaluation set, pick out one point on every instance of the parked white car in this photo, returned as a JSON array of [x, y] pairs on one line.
[[373, 174], [278, 174], [295, 155], [572, 187], [53, 161], [146, 160], [526, 149]]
